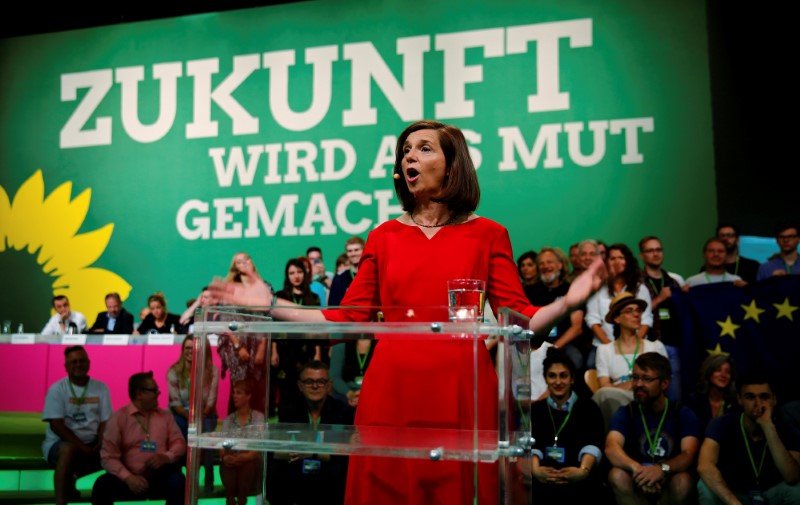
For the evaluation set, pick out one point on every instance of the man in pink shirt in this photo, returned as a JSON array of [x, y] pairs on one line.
[[143, 450]]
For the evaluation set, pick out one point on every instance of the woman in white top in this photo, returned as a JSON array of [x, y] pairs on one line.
[[624, 275], [615, 359]]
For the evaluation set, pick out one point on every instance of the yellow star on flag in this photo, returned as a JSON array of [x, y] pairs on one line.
[[728, 328], [717, 350], [785, 309], [752, 311]]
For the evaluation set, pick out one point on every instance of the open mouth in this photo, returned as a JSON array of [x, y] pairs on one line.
[[412, 174]]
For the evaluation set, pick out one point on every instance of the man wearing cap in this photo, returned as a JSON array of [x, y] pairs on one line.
[[652, 444]]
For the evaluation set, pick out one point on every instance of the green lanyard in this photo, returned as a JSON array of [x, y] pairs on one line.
[[249, 419], [79, 401], [750, 454], [145, 429], [788, 267], [736, 268], [709, 281], [635, 352], [653, 442], [311, 420], [721, 409], [657, 290], [361, 362], [563, 423]]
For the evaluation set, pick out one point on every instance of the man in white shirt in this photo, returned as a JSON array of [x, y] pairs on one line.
[[64, 319], [715, 254]]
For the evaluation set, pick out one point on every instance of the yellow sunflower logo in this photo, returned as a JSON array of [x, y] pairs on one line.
[[47, 228]]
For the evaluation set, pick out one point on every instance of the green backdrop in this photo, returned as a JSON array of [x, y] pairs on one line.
[[140, 157]]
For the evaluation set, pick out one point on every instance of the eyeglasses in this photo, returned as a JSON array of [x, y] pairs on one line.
[[319, 383], [644, 378], [631, 310], [653, 250], [787, 237], [155, 391]]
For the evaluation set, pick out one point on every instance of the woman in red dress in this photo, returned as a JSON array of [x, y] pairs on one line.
[[407, 262]]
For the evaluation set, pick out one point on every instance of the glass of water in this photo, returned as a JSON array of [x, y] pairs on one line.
[[465, 299]]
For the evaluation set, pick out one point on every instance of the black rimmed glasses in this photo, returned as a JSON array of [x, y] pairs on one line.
[[311, 383], [644, 378]]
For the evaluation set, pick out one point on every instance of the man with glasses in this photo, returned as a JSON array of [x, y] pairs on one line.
[[143, 450], [652, 443], [660, 283], [302, 479], [785, 262], [76, 409], [750, 457], [745, 268]]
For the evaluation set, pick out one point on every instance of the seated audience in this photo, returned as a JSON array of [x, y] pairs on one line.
[[623, 276], [206, 299], [342, 263], [526, 268], [785, 262], [652, 443], [310, 479], [736, 264], [179, 385], [752, 457], [714, 267], [115, 319], [143, 450], [615, 360], [159, 320], [76, 409], [64, 320], [569, 436], [715, 394], [242, 472]]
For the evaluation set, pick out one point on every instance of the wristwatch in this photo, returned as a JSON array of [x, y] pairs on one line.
[[665, 468]]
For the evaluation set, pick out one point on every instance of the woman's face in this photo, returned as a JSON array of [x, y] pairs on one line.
[[295, 275], [616, 262], [188, 347], [527, 270], [243, 264], [240, 398], [559, 381], [424, 165], [630, 317], [157, 310], [721, 376]]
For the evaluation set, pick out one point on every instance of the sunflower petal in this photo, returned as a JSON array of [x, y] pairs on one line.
[[5, 216], [26, 214], [76, 253]]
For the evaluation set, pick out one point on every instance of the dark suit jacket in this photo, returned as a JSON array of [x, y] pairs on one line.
[[124, 325]]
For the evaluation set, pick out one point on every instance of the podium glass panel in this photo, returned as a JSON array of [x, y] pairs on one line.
[[451, 419]]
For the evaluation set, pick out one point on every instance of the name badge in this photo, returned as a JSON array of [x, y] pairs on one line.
[[663, 313], [311, 466], [79, 417], [359, 379], [553, 332], [624, 378], [557, 454], [147, 446], [756, 498]]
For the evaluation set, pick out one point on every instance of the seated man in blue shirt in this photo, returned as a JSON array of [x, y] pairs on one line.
[[652, 444]]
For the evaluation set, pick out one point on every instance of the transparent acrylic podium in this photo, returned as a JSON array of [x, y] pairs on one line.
[[498, 448]]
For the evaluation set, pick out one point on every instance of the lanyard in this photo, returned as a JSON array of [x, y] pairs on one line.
[[757, 472], [249, 419], [656, 289], [311, 420], [146, 429], [635, 352], [653, 442], [721, 409], [362, 362], [79, 401], [709, 281], [788, 267], [736, 268], [563, 423]]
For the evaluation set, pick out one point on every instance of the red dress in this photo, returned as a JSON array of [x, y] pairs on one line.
[[430, 383]]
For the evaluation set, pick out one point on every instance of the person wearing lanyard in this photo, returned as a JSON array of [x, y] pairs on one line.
[[615, 359], [752, 457], [569, 436], [317, 478], [652, 443], [143, 450], [349, 362], [76, 409], [242, 472], [714, 269]]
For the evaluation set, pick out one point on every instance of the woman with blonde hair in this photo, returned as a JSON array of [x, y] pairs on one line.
[[159, 320]]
